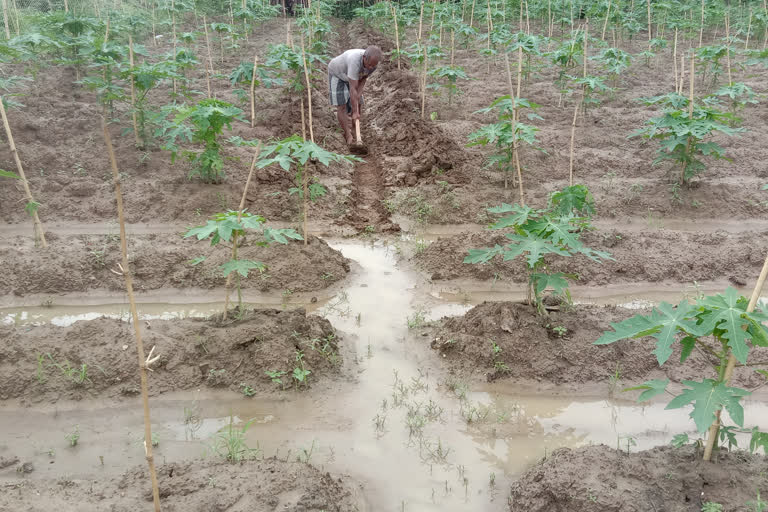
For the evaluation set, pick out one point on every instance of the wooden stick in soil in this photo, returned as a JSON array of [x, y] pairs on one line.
[[133, 94], [650, 28], [144, 362], [749, 29], [253, 90], [674, 61], [728, 47], [210, 59], [5, 19], [514, 130], [424, 83], [578, 106], [453, 41], [154, 34], [228, 285], [421, 20], [605, 24], [38, 226], [765, 33], [715, 427], [397, 36], [472, 14], [549, 18], [304, 174], [690, 115], [701, 30]]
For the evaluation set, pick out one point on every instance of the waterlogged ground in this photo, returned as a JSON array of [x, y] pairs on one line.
[[397, 421]]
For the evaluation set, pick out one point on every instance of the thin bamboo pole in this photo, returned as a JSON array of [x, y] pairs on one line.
[[765, 32], [210, 58], [397, 36], [701, 30], [514, 131], [715, 428], [527, 19], [305, 176], [432, 21], [690, 114], [143, 361], [605, 24], [154, 34], [66, 6], [674, 60], [650, 28], [15, 16], [728, 47], [5, 19], [682, 75], [133, 94], [472, 14], [749, 29], [576, 109], [453, 40], [549, 18], [38, 226], [421, 20], [173, 35], [253, 90], [228, 285], [424, 82]]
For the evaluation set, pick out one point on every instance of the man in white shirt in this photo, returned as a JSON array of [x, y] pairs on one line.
[[347, 75]]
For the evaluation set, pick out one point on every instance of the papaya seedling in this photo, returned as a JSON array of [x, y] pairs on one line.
[[682, 133], [722, 326], [208, 118], [554, 230], [447, 77], [229, 227]]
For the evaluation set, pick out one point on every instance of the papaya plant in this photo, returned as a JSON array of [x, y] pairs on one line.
[[228, 227], [447, 77], [682, 133], [720, 326], [538, 233], [506, 133], [208, 117]]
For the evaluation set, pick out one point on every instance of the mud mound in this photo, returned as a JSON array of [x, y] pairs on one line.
[[557, 350], [198, 486], [193, 353], [82, 263], [601, 479], [650, 256]]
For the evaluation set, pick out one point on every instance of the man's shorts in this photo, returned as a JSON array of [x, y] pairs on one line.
[[339, 92]]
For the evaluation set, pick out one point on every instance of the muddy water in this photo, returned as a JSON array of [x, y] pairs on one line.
[[414, 437]]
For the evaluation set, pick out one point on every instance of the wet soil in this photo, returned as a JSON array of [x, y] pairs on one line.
[[88, 262], [599, 478], [195, 486], [43, 363], [647, 255], [555, 352]]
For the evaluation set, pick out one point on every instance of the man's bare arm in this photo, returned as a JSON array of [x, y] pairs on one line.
[[354, 97]]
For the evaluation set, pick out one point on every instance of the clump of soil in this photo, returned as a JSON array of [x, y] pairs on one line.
[[640, 256], [556, 351], [196, 486], [82, 263], [193, 353], [598, 478]]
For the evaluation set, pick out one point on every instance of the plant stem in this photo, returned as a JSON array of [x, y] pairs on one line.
[[38, 226], [143, 369], [714, 429]]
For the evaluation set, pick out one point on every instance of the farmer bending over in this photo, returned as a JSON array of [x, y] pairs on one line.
[[347, 74]]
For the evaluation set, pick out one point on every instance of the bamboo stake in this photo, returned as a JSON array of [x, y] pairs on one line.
[[5, 19], [650, 31], [228, 285], [605, 24], [133, 94], [208, 47], [173, 34], [421, 19], [549, 18], [674, 60], [397, 37], [749, 29], [15, 16], [38, 226], [154, 34], [66, 6], [424, 83], [514, 132], [305, 176], [578, 106], [527, 19], [682, 74], [690, 115], [715, 427], [472, 14], [453, 41], [701, 30], [432, 21], [765, 33], [253, 90], [144, 362], [728, 47]]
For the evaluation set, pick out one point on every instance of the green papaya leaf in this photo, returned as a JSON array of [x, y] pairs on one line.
[[651, 389]]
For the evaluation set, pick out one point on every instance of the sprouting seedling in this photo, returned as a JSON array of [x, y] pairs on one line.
[[74, 436]]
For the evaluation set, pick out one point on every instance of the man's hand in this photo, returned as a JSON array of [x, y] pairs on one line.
[[355, 116]]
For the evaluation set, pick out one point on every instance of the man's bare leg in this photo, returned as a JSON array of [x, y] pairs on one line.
[[345, 122]]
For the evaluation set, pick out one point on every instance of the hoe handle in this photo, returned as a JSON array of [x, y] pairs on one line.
[[357, 131]]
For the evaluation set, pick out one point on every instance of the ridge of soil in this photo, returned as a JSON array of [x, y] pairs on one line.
[[192, 354], [81, 263], [602, 479], [532, 350], [640, 256], [194, 486]]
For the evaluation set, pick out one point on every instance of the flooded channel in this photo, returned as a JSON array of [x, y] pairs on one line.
[[416, 438]]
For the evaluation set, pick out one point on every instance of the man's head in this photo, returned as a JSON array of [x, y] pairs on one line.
[[371, 59]]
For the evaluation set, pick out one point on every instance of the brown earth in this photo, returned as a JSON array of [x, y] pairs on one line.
[[193, 353], [86, 262], [664, 479], [532, 350], [651, 256], [195, 486]]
